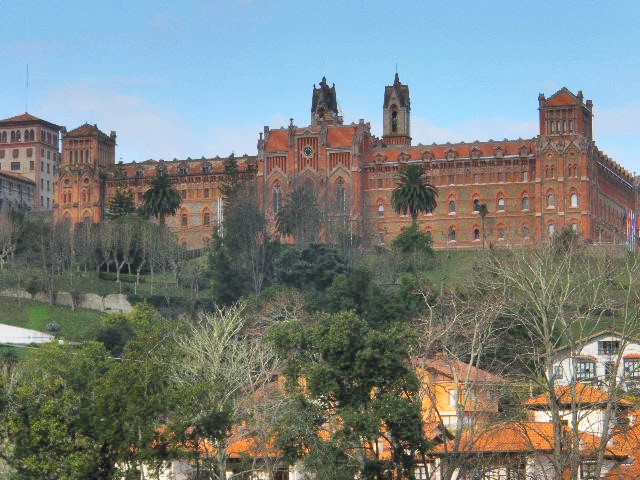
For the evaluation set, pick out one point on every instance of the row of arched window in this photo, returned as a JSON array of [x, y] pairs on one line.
[[16, 136], [501, 230], [341, 196], [205, 217]]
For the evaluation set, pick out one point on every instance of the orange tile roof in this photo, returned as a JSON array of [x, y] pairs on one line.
[[505, 437], [340, 136], [584, 395], [17, 176], [277, 140], [451, 367], [28, 118], [562, 97]]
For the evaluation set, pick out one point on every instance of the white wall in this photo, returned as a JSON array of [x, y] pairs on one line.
[[22, 336]]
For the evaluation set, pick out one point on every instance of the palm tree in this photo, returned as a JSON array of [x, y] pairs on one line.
[[161, 199], [299, 216], [413, 193], [482, 210]]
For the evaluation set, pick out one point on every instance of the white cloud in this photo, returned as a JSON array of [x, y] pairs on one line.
[[145, 130]]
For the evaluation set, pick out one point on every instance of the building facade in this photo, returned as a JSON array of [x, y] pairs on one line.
[[532, 187], [17, 193], [30, 146]]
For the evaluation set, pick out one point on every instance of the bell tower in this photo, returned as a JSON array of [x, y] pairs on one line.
[[396, 114]]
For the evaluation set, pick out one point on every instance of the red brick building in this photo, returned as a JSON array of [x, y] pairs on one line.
[[532, 187]]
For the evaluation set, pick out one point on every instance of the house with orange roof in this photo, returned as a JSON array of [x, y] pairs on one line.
[[456, 392]]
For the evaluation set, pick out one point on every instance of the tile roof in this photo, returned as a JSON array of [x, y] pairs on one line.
[[17, 176], [584, 395], [277, 140], [340, 136], [451, 367], [505, 437], [26, 118], [87, 130]]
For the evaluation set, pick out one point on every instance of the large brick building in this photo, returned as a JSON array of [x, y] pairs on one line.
[[532, 187]]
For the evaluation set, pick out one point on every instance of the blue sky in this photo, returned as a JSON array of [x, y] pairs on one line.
[[192, 78]]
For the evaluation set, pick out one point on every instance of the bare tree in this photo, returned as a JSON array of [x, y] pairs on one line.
[[10, 231], [224, 369]]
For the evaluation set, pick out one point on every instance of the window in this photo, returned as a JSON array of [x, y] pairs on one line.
[[29, 152], [452, 206], [525, 176], [453, 397], [558, 372], [574, 200], [501, 176], [15, 153], [15, 166], [501, 204], [525, 231], [182, 170], [551, 229], [476, 205], [394, 121], [139, 173], [631, 367], [525, 203], [277, 197], [381, 238], [574, 226], [341, 199], [501, 232], [380, 210], [184, 219], [476, 178], [551, 200], [476, 234], [452, 179], [585, 369], [206, 218], [608, 347], [452, 234]]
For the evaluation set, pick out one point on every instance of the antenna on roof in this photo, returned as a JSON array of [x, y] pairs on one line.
[[396, 67], [26, 93]]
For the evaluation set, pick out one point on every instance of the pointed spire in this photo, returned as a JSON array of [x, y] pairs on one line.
[[396, 80]]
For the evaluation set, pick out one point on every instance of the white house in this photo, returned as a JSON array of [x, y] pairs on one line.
[[597, 357]]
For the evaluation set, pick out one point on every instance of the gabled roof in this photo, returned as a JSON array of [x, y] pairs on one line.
[[584, 395], [600, 333], [17, 176], [27, 118], [277, 140], [562, 97], [87, 130], [453, 368], [340, 136]]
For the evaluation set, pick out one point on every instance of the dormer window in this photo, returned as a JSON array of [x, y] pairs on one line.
[[206, 168], [139, 173], [182, 170], [608, 347]]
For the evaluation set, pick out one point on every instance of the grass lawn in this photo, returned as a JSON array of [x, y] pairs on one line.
[[74, 325]]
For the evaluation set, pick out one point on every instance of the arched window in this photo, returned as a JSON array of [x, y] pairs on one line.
[[4, 137], [139, 173], [500, 203], [525, 203], [551, 200], [452, 206], [182, 170], [206, 218], [551, 229], [476, 204], [381, 209], [184, 219], [525, 231], [394, 121], [277, 197], [341, 201], [574, 226], [32, 135], [476, 234], [501, 232], [84, 196], [13, 136], [574, 200], [452, 234], [17, 135], [26, 135]]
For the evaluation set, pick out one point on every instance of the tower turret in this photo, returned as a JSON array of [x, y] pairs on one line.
[[324, 105], [396, 114]]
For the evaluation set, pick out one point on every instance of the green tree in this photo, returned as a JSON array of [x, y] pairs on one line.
[[227, 282], [413, 193], [161, 199], [299, 217], [359, 380], [121, 205], [314, 266]]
